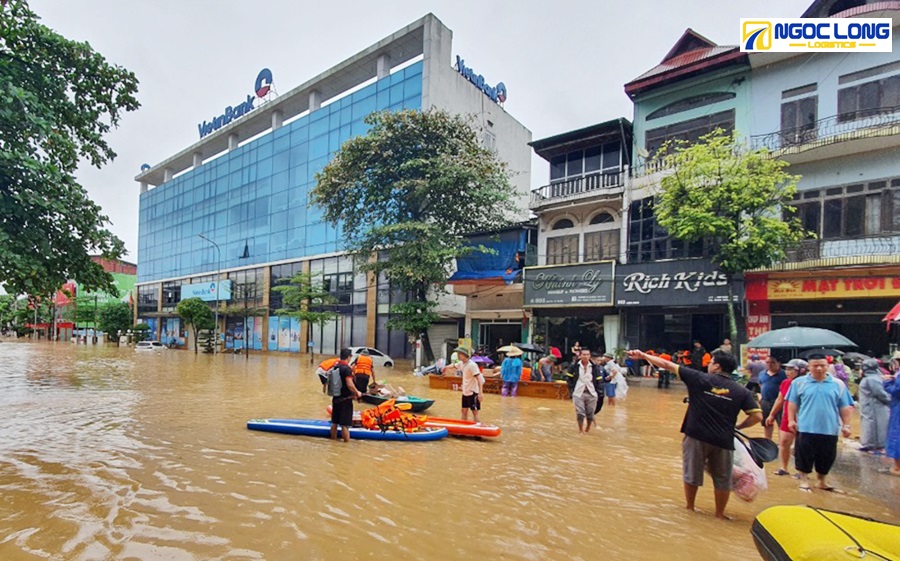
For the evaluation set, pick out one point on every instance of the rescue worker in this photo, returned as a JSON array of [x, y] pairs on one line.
[[363, 368], [323, 368]]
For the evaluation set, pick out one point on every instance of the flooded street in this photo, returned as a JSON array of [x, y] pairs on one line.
[[110, 454]]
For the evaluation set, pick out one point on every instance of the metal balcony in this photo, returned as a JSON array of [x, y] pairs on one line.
[[846, 251], [830, 130], [577, 188]]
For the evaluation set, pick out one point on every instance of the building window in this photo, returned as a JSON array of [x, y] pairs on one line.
[[868, 98], [339, 286], [599, 246], [171, 295], [690, 103], [148, 298], [850, 211], [648, 241], [603, 158], [563, 224], [246, 287], [689, 131], [798, 120], [602, 218], [280, 276], [562, 250]]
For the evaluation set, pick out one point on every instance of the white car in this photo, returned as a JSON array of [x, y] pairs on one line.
[[378, 357], [149, 346]]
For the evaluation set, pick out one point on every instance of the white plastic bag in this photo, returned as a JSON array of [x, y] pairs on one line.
[[748, 479]]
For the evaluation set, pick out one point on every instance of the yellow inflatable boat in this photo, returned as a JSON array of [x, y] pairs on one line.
[[801, 533]]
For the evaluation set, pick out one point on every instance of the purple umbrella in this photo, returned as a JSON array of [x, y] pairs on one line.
[[478, 359]]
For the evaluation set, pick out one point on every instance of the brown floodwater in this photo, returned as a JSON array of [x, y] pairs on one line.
[[106, 453]]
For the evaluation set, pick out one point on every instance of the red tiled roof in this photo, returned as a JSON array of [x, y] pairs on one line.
[[685, 59]]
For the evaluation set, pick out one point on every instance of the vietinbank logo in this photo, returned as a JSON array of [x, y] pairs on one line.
[[787, 35], [261, 87], [496, 93]]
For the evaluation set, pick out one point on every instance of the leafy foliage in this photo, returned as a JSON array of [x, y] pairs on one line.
[[197, 314], [58, 98], [721, 191], [306, 299], [410, 190], [114, 317]]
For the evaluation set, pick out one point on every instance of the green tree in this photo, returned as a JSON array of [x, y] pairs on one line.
[[58, 98], [244, 293], [735, 197], [114, 317], [197, 314], [409, 191], [306, 299]]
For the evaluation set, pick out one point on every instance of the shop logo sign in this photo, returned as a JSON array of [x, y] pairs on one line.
[[792, 35], [690, 281], [262, 86], [496, 93]]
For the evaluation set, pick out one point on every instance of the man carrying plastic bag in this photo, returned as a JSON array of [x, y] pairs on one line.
[[747, 478]]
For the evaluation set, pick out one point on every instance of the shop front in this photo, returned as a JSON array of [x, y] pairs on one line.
[[573, 303], [852, 302], [670, 304]]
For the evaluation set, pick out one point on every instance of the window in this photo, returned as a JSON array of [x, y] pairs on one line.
[[798, 120], [870, 98], [689, 103], [148, 298], [340, 286], [689, 131], [850, 211], [562, 250], [648, 241], [281, 275], [599, 246], [563, 224], [599, 158], [602, 218]]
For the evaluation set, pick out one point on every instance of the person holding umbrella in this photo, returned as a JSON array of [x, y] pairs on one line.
[[511, 372]]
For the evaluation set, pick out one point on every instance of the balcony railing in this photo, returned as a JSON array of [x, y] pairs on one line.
[[865, 246], [577, 187], [830, 130]]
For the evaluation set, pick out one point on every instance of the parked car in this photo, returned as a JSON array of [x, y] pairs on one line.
[[378, 357], [149, 346]]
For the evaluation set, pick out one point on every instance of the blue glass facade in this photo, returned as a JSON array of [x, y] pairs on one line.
[[258, 194]]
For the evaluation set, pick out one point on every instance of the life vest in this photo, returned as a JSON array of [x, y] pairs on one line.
[[707, 358], [386, 416], [328, 364], [666, 356], [364, 365], [526, 374]]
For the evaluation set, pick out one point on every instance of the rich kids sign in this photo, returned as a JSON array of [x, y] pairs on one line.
[[690, 282], [584, 284]]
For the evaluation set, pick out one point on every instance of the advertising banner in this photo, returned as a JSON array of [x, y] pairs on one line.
[[272, 344], [284, 333], [295, 335], [206, 291], [257, 333], [583, 284]]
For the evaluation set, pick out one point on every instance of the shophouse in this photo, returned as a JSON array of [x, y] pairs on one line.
[[580, 236], [836, 118], [245, 187]]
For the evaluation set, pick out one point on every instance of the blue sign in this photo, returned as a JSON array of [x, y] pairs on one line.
[[206, 291], [496, 93], [262, 86]]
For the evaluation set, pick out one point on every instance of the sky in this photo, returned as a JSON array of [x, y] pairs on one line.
[[564, 62]]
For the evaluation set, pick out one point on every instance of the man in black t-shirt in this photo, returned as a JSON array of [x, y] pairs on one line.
[[342, 406], [715, 403]]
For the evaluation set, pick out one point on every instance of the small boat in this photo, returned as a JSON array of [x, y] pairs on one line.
[[456, 427], [794, 533], [418, 404], [322, 428], [549, 390]]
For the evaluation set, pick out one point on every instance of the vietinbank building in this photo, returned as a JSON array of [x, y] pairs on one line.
[[228, 218]]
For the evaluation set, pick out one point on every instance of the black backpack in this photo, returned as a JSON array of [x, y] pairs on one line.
[[333, 382]]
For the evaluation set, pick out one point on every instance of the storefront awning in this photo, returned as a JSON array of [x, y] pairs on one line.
[[892, 316]]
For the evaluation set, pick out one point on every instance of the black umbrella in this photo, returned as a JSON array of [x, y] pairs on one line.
[[826, 352], [529, 348], [856, 357]]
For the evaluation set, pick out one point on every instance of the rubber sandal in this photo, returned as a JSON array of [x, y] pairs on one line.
[[780, 471], [805, 489]]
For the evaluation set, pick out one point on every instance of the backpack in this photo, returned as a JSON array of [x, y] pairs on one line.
[[333, 382]]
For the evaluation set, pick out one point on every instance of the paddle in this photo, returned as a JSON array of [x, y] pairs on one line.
[[761, 449]]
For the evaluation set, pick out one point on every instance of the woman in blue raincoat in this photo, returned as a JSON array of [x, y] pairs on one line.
[[511, 371], [892, 386]]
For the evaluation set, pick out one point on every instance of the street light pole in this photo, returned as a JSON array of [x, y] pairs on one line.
[[218, 280]]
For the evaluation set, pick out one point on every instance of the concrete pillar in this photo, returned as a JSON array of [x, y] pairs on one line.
[[383, 66], [144, 186], [315, 100], [625, 217], [198, 159], [266, 294], [232, 141], [277, 119], [304, 325], [437, 70], [371, 305], [167, 174]]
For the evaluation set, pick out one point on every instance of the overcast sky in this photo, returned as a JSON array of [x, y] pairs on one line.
[[563, 62]]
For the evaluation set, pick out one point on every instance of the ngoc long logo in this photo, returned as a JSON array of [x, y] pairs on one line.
[[756, 35], [796, 35]]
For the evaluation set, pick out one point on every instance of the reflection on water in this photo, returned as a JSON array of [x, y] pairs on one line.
[[110, 454]]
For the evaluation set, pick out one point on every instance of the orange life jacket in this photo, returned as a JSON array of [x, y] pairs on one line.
[[666, 356], [328, 364], [364, 365], [526, 375], [707, 358]]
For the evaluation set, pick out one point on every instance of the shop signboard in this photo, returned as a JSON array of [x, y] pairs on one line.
[[815, 288], [688, 282], [583, 284], [207, 292]]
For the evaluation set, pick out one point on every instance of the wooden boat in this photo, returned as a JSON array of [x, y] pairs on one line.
[[549, 390], [794, 533], [322, 428], [456, 427], [418, 404]]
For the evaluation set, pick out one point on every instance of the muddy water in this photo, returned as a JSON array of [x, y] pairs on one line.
[[110, 454]]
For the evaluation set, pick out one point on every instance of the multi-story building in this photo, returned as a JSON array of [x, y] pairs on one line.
[[836, 118], [580, 235], [245, 187]]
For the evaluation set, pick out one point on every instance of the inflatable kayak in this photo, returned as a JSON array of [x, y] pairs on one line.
[[456, 427], [418, 404], [795, 533], [322, 428]]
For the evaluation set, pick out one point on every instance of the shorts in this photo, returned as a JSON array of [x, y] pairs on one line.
[[697, 456], [817, 451], [767, 410], [361, 381], [471, 402], [341, 411], [585, 406], [609, 390], [753, 386]]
